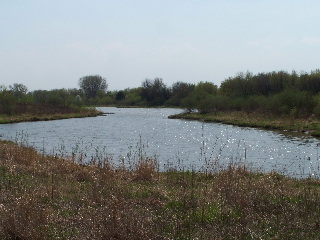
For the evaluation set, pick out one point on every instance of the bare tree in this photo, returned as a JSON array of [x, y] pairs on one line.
[[92, 84]]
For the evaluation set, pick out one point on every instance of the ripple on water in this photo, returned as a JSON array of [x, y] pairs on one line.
[[174, 142]]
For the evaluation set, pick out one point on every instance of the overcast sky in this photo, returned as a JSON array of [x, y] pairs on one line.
[[50, 44]]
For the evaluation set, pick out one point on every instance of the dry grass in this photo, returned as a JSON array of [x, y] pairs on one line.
[[51, 198], [258, 120], [45, 113]]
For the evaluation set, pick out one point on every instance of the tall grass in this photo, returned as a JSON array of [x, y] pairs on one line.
[[45, 197]]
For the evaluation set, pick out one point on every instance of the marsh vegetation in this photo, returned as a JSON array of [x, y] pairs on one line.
[[53, 198]]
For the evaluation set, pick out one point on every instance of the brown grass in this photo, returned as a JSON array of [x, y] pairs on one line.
[[258, 120], [47, 112], [51, 198]]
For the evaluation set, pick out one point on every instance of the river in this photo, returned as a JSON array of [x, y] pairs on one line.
[[125, 134]]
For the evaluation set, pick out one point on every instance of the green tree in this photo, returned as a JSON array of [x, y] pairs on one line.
[[290, 101], [204, 92], [201, 98], [18, 90], [238, 86], [310, 82], [60, 97], [133, 97], [179, 91], [120, 96], [40, 96], [205, 88], [155, 92], [189, 103], [92, 84], [7, 101]]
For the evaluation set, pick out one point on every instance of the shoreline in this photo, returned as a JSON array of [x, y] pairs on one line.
[[5, 119], [310, 126]]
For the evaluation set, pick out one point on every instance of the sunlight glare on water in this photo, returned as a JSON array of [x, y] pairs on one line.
[[175, 143]]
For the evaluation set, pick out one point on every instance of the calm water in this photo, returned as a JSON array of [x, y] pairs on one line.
[[125, 134]]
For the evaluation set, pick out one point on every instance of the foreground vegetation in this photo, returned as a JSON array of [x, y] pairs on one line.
[[51, 198]]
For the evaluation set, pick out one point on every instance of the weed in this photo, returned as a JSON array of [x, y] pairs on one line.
[[43, 197]]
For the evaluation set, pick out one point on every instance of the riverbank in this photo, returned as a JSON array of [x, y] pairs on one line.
[[31, 117], [309, 126], [53, 198]]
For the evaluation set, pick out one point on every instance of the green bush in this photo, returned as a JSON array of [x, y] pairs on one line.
[[189, 103], [7, 102], [292, 102]]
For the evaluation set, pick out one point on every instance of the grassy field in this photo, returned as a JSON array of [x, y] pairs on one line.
[[52, 198], [308, 125]]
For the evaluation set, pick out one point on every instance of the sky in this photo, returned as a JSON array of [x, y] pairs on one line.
[[51, 44]]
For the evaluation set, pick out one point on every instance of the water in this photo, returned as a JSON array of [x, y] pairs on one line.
[[179, 144]]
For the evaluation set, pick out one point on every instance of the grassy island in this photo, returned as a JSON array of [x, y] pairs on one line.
[[52, 198]]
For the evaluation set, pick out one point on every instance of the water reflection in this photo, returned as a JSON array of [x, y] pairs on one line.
[[175, 143]]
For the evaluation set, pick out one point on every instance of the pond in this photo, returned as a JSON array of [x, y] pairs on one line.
[[129, 133]]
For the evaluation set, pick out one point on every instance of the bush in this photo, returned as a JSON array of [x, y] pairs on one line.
[[189, 103], [292, 102], [256, 103], [7, 102]]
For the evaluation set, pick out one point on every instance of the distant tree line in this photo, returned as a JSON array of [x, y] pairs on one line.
[[16, 99], [279, 93]]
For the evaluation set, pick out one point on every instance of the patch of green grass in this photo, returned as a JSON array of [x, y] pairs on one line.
[[208, 214]]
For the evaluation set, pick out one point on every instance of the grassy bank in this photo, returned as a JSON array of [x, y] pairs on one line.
[[31, 117], [51, 198], [243, 119]]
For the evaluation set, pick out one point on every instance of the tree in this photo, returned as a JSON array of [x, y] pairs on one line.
[[92, 84], [204, 88], [179, 91], [18, 90], [155, 92], [121, 95], [238, 86], [133, 97], [7, 101], [40, 96]]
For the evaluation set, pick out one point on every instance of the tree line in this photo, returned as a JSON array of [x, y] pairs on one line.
[[279, 93], [16, 99]]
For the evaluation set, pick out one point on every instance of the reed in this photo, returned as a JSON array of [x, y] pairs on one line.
[[45, 197]]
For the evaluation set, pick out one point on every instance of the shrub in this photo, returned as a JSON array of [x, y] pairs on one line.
[[292, 102]]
